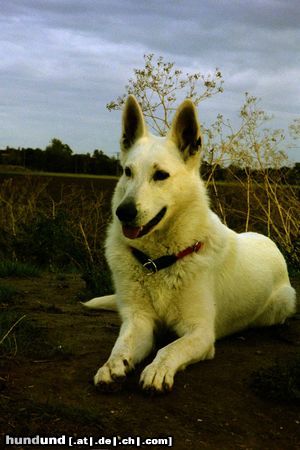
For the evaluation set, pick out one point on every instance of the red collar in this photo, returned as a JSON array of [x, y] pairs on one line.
[[193, 249], [154, 265]]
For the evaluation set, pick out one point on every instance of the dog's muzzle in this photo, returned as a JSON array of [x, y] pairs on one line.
[[127, 214]]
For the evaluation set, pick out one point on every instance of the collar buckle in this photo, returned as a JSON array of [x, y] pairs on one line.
[[150, 265]]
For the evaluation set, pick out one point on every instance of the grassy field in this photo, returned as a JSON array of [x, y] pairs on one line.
[[4, 171]]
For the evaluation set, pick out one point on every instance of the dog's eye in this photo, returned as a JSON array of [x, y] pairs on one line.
[[128, 172], [160, 175]]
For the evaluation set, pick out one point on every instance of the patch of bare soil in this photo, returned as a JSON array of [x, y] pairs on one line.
[[49, 359]]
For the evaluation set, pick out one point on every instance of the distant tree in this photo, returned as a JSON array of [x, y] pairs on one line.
[[11, 156], [58, 147], [81, 163], [294, 175], [103, 164], [58, 156], [33, 158]]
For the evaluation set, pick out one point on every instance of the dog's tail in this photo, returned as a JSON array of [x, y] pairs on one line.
[[107, 302]]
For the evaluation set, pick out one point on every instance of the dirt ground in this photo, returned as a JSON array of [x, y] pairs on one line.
[[46, 382]]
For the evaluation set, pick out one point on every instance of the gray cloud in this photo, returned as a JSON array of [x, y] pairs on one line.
[[61, 61]]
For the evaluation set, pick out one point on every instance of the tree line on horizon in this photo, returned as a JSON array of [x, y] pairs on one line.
[[59, 157]]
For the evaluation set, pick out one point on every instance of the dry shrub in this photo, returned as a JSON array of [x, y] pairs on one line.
[[56, 224], [270, 207]]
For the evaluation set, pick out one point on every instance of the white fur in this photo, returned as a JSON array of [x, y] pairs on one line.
[[107, 302], [235, 281]]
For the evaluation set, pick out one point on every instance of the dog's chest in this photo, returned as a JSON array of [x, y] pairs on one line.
[[164, 294]]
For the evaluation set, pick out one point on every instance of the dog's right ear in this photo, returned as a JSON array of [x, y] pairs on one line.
[[185, 130], [133, 124]]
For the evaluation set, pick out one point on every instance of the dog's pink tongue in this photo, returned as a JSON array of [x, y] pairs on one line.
[[131, 232]]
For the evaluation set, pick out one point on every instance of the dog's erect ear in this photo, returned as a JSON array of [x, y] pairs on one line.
[[133, 125], [185, 130]]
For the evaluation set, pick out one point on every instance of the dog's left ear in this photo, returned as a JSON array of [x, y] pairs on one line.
[[133, 124], [185, 130]]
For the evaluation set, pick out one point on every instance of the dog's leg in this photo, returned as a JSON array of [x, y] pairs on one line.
[[281, 305], [134, 343], [195, 345]]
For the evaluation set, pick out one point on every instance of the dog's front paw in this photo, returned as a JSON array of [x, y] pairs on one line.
[[111, 375], [157, 378]]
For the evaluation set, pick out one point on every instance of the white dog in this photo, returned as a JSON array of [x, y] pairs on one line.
[[174, 263]]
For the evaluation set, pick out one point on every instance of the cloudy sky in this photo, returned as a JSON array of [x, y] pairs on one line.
[[62, 61]]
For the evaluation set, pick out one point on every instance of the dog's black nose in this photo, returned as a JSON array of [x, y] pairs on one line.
[[126, 211]]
